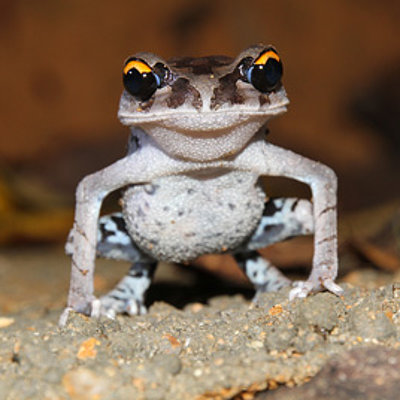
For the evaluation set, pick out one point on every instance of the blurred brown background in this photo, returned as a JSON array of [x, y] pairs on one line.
[[61, 81]]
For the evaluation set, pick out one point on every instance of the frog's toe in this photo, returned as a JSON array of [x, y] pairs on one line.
[[109, 313], [110, 305], [334, 288], [104, 307], [135, 307], [62, 322], [101, 308], [300, 290], [95, 310]]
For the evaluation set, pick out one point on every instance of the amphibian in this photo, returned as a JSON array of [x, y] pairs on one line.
[[196, 152]]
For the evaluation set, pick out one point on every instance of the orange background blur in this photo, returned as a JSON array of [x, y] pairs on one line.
[[61, 80]]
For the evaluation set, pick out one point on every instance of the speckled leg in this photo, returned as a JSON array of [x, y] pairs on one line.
[[261, 273], [129, 294], [281, 220], [114, 242]]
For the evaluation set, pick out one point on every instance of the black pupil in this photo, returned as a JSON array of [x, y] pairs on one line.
[[273, 71], [141, 86], [266, 77]]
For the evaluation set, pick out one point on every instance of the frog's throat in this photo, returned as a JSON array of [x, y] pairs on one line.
[[204, 145]]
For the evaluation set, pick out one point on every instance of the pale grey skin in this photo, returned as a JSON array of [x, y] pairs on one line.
[[217, 151]]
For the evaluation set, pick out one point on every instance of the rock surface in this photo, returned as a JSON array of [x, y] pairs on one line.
[[365, 373], [224, 349]]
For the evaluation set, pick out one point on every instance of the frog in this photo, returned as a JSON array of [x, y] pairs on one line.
[[191, 182]]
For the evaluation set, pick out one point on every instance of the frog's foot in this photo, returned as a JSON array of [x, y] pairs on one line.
[[264, 276], [302, 289], [109, 307], [62, 321], [84, 307], [114, 242], [129, 295]]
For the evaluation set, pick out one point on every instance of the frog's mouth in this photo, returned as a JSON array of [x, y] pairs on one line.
[[202, 134], [189, 120], [192, 138]]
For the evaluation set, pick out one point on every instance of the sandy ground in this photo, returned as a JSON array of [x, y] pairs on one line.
[[225, 348]]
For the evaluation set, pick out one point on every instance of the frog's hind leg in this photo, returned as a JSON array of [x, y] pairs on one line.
[[114, 242], [282, 219], [262, 274], [128, 296]]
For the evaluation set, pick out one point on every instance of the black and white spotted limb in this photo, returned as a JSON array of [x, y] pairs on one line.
[[282, 219], [114, 242]]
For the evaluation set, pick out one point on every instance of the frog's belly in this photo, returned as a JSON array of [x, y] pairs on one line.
[[179, 218]]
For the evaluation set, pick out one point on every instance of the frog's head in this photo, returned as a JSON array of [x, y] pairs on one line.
[[203, 108]]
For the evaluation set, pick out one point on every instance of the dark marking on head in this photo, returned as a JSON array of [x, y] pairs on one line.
[[264, 99], [231, 206], [146, 105], [270, 208], [199, 65], [181, 91], [227, 91]]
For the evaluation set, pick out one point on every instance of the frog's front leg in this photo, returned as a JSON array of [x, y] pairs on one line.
[[114, 242], [89, 196], [323, 183]]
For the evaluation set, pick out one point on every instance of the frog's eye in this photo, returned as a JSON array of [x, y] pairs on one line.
[[266, 71], [139, 79]]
